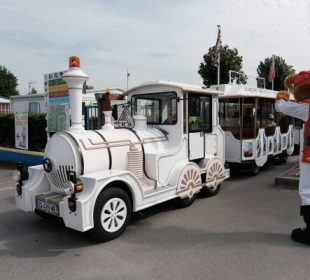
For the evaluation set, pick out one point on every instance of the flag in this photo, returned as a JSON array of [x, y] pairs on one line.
[[215, 60], [272, 71], [128, 74]]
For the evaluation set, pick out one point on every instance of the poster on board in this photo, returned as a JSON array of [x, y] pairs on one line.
[[58, 117], [21, 131], [57, 94]]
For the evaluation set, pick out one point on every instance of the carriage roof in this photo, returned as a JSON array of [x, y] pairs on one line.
[[246, 91], [170, 85]]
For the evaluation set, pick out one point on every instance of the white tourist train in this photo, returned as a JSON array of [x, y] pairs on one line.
[[255, 133], [169, 146]]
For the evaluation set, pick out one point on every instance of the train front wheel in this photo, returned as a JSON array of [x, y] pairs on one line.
[[112, 214]]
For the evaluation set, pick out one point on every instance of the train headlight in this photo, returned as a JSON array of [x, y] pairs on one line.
[[69, 188], [78, 187]]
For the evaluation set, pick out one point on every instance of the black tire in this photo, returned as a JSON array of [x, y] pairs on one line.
[[116, 205], [207, 192], [283, 159], [254, 171], [185, 202]]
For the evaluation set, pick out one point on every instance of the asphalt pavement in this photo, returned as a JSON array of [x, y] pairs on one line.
[[241, 233]]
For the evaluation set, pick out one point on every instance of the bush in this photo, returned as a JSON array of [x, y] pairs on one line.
[[36, 131], [7, 130]]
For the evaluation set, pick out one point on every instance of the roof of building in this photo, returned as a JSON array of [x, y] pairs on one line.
[[25, 96], [4, 100]]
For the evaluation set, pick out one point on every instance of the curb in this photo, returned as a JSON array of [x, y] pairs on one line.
[[289, 177], [16, 155]]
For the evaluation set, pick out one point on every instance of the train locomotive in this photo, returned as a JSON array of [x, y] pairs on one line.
[[169, 146]]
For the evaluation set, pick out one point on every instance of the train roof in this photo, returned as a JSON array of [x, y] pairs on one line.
[[182, 86], [246, 91]]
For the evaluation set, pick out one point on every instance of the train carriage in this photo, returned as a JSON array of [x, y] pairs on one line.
[[255, 134]]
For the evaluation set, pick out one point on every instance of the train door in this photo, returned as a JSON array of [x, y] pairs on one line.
[[199, 122]]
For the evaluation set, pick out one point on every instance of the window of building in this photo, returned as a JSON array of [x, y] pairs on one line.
[[34, 107]]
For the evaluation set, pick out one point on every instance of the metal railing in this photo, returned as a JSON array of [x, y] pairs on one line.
[[242, 74]]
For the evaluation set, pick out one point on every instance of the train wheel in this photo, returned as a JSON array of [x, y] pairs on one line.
[[215, 171], [112, 214], [189, 184], [254, 171], [185, 202], [207, 192], [283, 159]]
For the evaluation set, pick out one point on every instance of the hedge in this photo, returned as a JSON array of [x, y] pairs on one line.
[[36, 131]]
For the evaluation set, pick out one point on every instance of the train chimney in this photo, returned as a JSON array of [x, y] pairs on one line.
[[75, 78]]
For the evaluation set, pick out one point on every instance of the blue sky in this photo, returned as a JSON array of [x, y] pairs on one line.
[[153, 39]]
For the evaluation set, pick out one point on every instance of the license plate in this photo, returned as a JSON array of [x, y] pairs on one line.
[[47, 207]]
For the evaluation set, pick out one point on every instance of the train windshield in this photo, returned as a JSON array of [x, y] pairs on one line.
[[158, 108]]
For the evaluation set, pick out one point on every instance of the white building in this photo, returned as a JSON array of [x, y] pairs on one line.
[[30, 103], [35, 103]]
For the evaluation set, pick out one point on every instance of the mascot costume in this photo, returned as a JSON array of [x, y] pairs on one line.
[[299, 85]]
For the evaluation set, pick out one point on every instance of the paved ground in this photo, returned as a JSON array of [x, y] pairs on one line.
[[242, 233], [6, 170]]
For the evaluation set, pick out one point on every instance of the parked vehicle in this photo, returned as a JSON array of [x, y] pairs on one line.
[[168, 145]]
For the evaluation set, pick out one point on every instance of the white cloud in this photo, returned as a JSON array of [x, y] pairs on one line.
[[154, 39]]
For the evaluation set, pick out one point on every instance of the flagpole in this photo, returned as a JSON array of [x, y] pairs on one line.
[[219, 59], [272, 71], [127, 78], [218, 70], [216, 54]]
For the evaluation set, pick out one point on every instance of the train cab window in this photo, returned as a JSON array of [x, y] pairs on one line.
[[194, 119], [199, 113], [158, 108]]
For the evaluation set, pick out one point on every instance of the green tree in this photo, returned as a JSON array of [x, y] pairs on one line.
[[230, 60], [8, 83], [282, 70], [33, 91]]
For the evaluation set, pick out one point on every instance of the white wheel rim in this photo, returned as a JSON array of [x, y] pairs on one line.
[[189, 182], [113, 215]]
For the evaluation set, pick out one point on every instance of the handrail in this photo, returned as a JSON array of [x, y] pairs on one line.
[[120, 143], [241, 74]]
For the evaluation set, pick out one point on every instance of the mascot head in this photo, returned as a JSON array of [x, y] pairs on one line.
[[299, 85]]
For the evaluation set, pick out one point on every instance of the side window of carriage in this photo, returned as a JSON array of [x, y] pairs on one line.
[[199, 113]]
